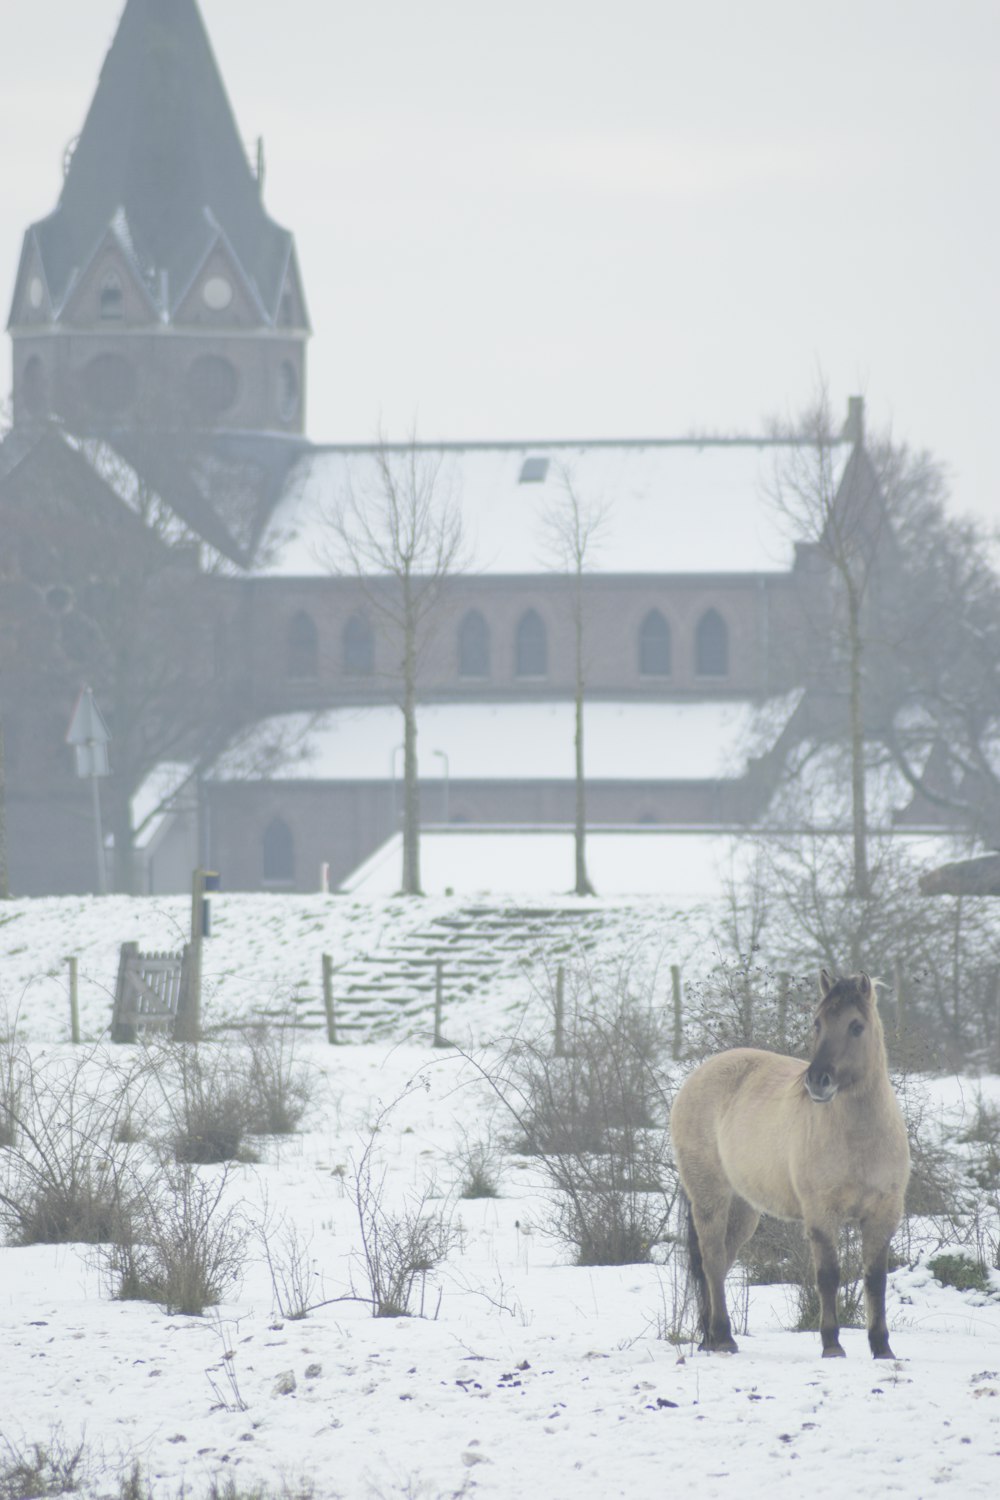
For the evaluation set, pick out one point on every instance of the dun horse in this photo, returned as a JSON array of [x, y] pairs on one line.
[[823, 1143]]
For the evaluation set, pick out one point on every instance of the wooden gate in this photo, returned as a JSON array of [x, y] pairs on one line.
[[151, 993]]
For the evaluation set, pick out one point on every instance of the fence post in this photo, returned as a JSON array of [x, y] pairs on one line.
[[560, 1036], [121, 1031], [331, 1020], [439, 1040], [675, 986], [74, 1001]]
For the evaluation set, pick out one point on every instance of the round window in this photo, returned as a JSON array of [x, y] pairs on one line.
[[217, 293], [212, 386]]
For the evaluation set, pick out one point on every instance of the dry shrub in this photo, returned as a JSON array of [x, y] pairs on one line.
[[595, 1118], [64, 1176], [182, 1245]]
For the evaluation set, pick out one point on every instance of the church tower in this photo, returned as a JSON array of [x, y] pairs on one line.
[[159, 296]]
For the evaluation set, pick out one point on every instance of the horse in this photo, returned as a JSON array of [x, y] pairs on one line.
[[823, 1143]]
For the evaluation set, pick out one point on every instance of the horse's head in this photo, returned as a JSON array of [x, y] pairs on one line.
[[845, 1030]]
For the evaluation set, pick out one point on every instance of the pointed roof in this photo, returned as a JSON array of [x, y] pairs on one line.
[[161, 160]]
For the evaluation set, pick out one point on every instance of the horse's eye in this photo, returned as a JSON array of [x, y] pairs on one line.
[[856, 1028], [816, 1024]]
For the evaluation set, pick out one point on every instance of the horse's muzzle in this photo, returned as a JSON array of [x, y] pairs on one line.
[[821, 1088]]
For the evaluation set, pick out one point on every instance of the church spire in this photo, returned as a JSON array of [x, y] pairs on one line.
[[161, 225]]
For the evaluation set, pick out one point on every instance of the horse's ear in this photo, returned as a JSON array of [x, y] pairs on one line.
[[825, 983], [864, 987]]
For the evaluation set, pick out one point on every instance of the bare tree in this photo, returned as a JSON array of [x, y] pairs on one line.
[[400, 534], [944, 626], [107, 587], [572, 530], [838, 511], [4, 875]]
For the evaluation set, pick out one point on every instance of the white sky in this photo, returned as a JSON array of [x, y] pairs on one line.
[[562, 218]]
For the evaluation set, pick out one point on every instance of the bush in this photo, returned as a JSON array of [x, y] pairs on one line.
[[37, 1470], [279, 1088], [208, 1103], [595, 1118], [961, 1272], [181, 1245], [63, 1176], [398, 1250], [479, 1162]]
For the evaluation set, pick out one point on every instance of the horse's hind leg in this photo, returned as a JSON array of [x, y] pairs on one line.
[[743, 1220], [876, 1234], [711, 1222]]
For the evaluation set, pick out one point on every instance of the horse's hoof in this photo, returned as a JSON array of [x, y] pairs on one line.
[[834, 1352], [885, 1353], [720, 1346]]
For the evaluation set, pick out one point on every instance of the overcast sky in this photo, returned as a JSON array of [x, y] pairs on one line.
[[567, 218]]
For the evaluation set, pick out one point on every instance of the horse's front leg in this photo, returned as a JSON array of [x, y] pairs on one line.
[[823, 1243], [876, 1234]]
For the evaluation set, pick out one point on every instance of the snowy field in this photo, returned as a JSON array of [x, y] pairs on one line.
[[526, 1376]]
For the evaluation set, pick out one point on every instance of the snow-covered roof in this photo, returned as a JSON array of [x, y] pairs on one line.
[[502, 741], [685, 506]]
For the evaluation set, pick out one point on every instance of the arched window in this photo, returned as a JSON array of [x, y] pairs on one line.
[[711, 645], [654, 646], [359, 647], [531, 646], [303, 646], [278, 852], [473, 646]]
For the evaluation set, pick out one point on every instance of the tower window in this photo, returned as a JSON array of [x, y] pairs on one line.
[[711, 645], [288, 390], [531, 646], [212, 386], [112, 302]]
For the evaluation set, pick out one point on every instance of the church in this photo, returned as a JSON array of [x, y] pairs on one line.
[[170, 542]]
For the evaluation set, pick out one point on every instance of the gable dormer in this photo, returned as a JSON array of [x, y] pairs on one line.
[[219, 294], [291, 315], [32, 304], [110, 292]]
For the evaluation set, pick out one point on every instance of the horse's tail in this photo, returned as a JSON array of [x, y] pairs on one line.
[[696, 1267]]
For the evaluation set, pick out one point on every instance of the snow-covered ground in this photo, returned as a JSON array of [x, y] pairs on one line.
[[528, 1376]]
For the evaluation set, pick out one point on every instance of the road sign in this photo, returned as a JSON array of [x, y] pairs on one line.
[[89, 736]]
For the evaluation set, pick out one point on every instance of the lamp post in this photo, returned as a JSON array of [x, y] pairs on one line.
[[89, 736], [445, 790]]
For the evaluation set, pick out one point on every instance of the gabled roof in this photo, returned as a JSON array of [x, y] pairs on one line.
[[160, 153], [674, 506]]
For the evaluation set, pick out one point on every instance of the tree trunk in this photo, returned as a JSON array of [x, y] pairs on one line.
[[4, 876], [582, 886], [411, 789], [859, 815]]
